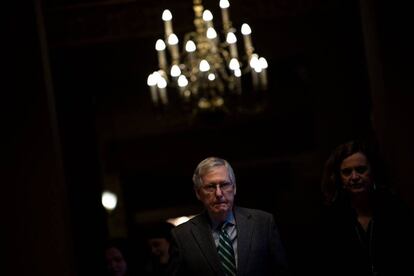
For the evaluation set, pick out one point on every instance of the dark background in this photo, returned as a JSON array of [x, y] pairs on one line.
[[78, 119]]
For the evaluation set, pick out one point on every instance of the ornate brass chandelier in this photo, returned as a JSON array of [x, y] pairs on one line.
[[208, 75]]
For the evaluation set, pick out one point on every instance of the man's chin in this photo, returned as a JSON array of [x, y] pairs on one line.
[[220, 208]]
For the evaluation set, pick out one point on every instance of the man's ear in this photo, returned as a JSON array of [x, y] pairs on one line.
[[197, 193]]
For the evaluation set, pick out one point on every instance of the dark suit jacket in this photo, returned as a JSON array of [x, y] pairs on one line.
[[259, 248]]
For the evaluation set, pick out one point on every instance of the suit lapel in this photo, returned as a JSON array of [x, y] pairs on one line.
[[202, 234], [244, 236]]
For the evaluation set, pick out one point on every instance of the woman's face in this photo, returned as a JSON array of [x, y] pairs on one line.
[[355, 173], [115, 262]]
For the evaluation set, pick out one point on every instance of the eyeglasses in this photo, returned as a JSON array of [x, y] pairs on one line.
[[358, 170], [224, 187]]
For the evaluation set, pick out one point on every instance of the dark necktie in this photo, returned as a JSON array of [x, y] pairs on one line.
[[225, 252]]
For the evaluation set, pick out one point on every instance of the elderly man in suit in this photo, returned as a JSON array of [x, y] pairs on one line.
[[225, 239]]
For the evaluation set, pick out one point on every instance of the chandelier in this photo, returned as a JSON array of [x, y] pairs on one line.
[[206, 72]]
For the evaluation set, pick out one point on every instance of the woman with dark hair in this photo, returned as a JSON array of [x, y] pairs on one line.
[[158, 239], [120, 258], [366, 229], [336, 176]]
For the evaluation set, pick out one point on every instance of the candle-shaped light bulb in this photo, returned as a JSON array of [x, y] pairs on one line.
[[182, 81], [231, 40], [109, 200], [160, 45], [182, 84], [152, 82], [263, 62], [204, 66], [162, 60], [156, 75], [211, 33], [263, 74], [254, 61], [237, 72], [207, 15], [211, 77], [172, 39], [167, 17], [234, 64], [246, 31], [162, 84], [224, 5], [161, 74], [258, 68], [208, 18], [173, 42], [175, 71], [190, 46]]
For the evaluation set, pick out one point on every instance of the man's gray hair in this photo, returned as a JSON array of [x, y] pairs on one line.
[[206, 166]]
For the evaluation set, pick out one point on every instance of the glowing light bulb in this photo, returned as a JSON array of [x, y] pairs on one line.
[[254, 61], [224, 4], [160, 45], [231, 38], [172, 39], [190, 46], [234, 64], [109, 200], [182, 81], [211, 33], [207, 15], [162, 83], [151, 80], [263, 62], [204, 66], [175, 71], [166, 15], [245, 29], [237, 72]]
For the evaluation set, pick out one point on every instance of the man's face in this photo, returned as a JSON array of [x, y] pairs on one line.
[[356, 173], [217, 192]]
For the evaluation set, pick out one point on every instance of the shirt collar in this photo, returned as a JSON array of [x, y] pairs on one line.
[[229, 220]]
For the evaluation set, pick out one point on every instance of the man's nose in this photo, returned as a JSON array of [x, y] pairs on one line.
[[354, 175], [219, 192]]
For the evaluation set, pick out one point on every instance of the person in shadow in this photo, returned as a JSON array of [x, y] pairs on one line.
[[366, 228], [158, 238], [225, 239], [120, 258]]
